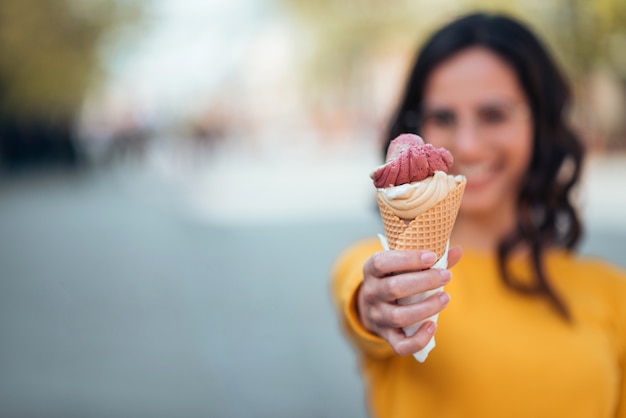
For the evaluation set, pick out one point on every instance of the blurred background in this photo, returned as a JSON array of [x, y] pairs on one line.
[[178, 176]]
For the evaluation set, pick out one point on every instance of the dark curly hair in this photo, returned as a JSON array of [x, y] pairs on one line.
[[545, 214]]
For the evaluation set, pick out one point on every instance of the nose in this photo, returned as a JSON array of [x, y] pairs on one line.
[[468, 143]]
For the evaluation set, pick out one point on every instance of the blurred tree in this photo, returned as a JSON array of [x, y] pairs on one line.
[[49, 57], [345, 36], [342, 35], [584, 29], [353, 55], [591, 34]]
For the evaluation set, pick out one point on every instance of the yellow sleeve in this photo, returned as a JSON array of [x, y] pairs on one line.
[[620, 300], [347, 276]]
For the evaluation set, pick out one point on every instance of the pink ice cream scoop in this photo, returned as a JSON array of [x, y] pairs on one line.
[[410, 160]]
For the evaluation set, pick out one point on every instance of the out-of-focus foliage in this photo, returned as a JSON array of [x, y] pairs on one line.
[[49, 60], [583, 33], [590, 33], [586, 36], [49, 52], [344, 34]]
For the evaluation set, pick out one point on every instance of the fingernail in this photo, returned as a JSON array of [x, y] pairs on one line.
[[446, 276], [444, 298], [429, 257], [431, 328]]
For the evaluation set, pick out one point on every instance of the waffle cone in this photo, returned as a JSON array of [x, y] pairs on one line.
[[428, 231]]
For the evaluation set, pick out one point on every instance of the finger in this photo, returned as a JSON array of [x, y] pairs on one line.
[[454, 255], [404, 346], [400, 316], [399, 286], [385, 263]]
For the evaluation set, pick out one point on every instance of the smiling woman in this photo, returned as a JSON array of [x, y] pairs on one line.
[[524, 318], [501, 78]]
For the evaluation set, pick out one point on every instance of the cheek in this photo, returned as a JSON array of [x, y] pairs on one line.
[[520, 151]]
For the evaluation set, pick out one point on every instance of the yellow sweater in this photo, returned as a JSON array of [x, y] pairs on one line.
[[500, 353]]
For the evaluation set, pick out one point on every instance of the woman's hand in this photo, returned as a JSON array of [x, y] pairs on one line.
[[392, 275]]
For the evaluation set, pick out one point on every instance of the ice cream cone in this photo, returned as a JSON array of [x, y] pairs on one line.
[[409, 187], [428, 231]]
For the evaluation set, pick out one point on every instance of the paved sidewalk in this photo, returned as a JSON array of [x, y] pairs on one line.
[[114, 304]]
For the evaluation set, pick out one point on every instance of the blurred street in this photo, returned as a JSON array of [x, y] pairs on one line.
[[117, 300], [113, 304]]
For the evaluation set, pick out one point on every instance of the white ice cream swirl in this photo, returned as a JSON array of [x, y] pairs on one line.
[[409, 200]]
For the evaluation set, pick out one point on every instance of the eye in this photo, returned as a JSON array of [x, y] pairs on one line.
[[440, 118], [493, 116]]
